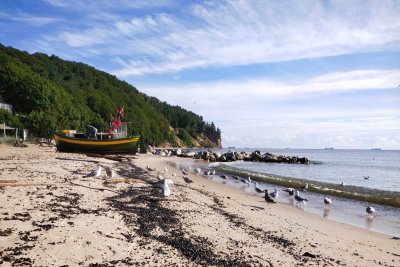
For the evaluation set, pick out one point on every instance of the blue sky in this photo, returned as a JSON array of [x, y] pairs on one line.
[[298, 74]]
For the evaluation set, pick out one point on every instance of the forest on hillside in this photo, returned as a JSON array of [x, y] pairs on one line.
[[50, 94]]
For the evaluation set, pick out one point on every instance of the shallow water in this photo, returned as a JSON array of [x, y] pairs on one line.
[[386, 219], [350, 166]]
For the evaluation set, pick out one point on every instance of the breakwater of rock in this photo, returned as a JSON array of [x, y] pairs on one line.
[[255, 156]]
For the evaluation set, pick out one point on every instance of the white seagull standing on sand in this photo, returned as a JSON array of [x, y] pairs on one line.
[[274, 194], [197, 171], [98, 171], [268, 197], [370, 211], [150, 169], [258, 189], [95, 173], [246, 181], [300, 199], [327, 201], [184, 172], [166, 190], [110, 172]]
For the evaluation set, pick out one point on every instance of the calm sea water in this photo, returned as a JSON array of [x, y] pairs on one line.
[[381, 167], [329, 169]]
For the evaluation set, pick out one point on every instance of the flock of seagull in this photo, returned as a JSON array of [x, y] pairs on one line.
[[270, 197], [97, 172]]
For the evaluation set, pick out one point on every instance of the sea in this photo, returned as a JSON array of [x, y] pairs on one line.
[[353, 179]]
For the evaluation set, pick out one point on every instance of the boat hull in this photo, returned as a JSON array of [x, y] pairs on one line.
[[110, 146]]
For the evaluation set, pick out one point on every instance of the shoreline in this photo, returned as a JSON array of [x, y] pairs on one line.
[[72, 219], [343, 210]]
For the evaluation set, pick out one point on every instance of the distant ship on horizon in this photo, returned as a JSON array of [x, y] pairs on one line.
[[329, 148], [377, 148]]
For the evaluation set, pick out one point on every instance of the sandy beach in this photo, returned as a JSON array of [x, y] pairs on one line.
[[54, 213]]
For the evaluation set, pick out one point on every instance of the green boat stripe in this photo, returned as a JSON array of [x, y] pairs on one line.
[[97, 143]]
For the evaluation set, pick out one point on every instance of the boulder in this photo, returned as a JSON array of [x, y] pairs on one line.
[[222, 158], [212, 158], [230, 156], [238, 156]]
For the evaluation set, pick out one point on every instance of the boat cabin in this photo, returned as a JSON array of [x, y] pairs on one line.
[[92, 133]]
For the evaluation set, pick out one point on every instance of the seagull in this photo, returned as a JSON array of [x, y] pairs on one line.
[[213, 172], [327, 201], [110, 172], [258, 189], [150, 169], [187, 180], [207, 172], [304, 187], [165, 169], [268, 198], [371, 211], [173, 174], [274, 194], [160, 177], [184, 172], [246, 181], [366, 177], [166, 190], [224, 176], [289, 190], [236, 177], [197, 171], [95, 173], [98, 171], [299, 198]]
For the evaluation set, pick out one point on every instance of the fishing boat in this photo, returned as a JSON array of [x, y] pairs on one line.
[[70, 142], [115, 141]]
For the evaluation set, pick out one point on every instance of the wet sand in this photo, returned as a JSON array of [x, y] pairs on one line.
[[53, 215]]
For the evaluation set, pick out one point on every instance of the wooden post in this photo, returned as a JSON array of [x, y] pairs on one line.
[[4, 127]]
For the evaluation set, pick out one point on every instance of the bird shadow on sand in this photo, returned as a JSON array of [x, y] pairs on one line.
[[255, 207]]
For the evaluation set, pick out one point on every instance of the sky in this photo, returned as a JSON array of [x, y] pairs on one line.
[[273, 74]]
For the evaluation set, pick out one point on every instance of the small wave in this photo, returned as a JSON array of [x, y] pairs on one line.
[[315, 162], [382, 197]]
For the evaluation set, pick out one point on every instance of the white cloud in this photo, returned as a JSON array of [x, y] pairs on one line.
[[30, 19], [241, 33], [305, 113], [84, 5], [234, 90], [226, 33]]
